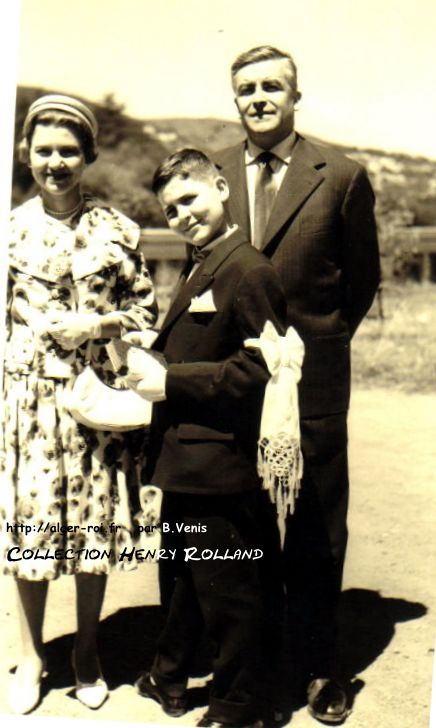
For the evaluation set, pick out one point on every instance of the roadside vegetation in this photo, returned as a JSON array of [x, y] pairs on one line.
[[398, 351]]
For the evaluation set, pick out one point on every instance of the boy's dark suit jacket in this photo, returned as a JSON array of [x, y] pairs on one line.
[[204, 436], [322, 240]]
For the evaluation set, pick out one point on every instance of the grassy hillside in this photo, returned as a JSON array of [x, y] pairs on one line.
[[130, 150]]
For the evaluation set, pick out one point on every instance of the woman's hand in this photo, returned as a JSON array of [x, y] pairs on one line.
[[74, 329]]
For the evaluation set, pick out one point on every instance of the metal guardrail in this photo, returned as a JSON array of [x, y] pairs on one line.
[[418, 238], [420, 241], [162, 244]]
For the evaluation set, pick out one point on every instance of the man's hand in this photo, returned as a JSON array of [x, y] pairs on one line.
[[146, 374]]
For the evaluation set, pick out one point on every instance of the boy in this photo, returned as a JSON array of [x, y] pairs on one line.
[[203, 445]]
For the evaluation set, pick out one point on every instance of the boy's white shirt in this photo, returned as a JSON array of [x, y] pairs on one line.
[[153, 385], [213, 244], [205, 302]]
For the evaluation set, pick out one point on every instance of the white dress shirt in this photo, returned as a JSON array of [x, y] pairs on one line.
[[213, 244], [282, 152]]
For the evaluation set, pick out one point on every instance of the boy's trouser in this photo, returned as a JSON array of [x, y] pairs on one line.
[[218, 596]]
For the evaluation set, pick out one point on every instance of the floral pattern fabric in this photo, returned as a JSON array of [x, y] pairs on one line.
[[63, 487]]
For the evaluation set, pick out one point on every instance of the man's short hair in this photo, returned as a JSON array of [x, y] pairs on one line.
[[267, 53], [184, 163]]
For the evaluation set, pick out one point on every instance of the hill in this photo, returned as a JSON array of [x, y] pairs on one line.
[[130, 150]]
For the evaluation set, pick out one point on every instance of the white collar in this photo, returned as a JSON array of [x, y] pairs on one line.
[[282, 150]]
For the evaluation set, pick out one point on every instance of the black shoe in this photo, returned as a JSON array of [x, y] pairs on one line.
[[327, 701], [170, 704], [206, 722], [279, 718]]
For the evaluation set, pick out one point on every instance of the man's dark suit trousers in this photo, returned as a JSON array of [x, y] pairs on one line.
[[315, 544]]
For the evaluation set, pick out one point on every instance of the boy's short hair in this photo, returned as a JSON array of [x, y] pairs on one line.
[[184, 163]]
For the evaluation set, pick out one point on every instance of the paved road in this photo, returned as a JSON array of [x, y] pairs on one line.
[[388, 604]]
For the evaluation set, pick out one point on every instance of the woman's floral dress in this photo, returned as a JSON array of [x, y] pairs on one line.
[[67, 493]]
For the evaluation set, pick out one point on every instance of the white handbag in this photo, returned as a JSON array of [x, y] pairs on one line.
[[101, 407]]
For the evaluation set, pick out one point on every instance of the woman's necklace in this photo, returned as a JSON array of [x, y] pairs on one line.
[[64, 214]]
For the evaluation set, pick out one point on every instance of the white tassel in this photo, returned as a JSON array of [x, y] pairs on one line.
[[280, 465]]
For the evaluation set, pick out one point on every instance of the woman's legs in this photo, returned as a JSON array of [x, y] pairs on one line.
[[24, 688], [32, 596], [90, 589]]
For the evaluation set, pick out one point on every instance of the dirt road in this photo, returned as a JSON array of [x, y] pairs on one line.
[[388, 603]]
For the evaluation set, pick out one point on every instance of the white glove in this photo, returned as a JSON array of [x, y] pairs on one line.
[[146, 374], [75, 328]]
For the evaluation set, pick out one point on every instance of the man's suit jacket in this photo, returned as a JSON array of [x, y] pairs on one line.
[[321, 238], [204, 436]]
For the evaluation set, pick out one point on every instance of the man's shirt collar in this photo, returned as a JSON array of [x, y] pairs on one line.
[[282, 150]]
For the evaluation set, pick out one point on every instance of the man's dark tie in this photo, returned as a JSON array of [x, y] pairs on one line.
[[264, 195]]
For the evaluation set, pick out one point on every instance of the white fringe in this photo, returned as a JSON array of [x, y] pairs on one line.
[[280, 465]]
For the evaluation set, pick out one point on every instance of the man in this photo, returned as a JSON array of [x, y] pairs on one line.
[[310, 210]]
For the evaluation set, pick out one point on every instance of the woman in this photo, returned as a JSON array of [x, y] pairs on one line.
[[75, 280]]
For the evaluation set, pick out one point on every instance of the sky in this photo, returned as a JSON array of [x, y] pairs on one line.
[[366, 67]]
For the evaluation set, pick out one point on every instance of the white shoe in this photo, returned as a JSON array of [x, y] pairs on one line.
[[24, 698], [93, 694]]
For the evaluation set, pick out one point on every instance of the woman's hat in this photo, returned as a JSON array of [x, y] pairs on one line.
[[68, 104]]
